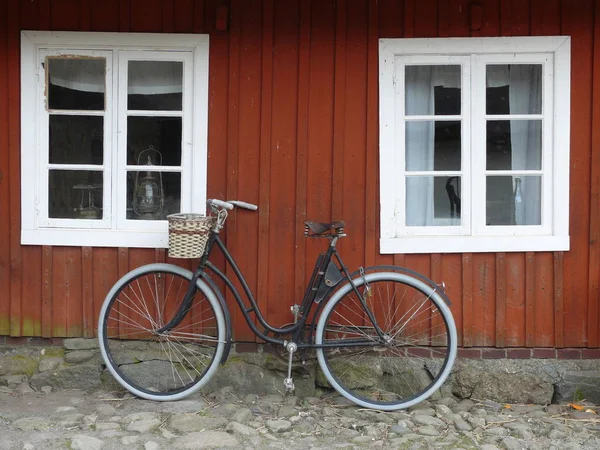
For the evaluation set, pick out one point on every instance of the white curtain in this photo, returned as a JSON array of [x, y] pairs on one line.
[[525, 93], [525, 98], [144, 77], [420, 137]]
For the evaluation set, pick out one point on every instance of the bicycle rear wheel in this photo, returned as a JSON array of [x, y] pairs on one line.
[[412, 359], [157, 365]]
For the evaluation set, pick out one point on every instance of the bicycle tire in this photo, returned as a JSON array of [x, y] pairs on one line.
[[416, 360], [170, 365]]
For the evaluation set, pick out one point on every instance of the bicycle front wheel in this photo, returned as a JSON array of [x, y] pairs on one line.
[[391, 351], [153, 364]]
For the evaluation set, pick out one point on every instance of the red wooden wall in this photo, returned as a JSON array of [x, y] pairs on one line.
[[293, 127]]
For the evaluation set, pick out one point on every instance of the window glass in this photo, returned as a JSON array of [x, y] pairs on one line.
[[76, 83], [513, 200], [155, 85], [75, 194]]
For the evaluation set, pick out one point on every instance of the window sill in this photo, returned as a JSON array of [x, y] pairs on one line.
[[473, 244], [96, 238]]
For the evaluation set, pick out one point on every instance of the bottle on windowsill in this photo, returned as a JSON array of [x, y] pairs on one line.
[[518, 203]]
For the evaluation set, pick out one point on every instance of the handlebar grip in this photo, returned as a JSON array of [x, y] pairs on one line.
[[244, 205], [219, 203]]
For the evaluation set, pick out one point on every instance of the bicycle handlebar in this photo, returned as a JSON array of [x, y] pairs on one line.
[[244, 205], [231, 203], [219, 203]]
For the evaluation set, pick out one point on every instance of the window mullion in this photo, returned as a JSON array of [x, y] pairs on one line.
[[478, 143]]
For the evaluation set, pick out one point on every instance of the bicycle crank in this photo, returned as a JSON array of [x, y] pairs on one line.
[[288, 383]]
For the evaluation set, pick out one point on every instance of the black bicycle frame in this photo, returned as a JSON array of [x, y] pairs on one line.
[[326, 276]]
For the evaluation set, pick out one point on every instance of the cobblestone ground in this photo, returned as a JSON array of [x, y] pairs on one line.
[[112, 420]]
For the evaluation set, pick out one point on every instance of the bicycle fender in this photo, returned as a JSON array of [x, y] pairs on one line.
[[228, 332]]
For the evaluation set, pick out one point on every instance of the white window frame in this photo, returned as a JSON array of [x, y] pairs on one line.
[[115, 230], [474, 236]]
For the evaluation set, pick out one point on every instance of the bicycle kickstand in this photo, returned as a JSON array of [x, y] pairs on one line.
[[288, 382]]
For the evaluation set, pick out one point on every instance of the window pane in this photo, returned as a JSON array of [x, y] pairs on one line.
[[76, 139], [514, 89], [76, 83], [433, 201], [160, 133], [153, 195], [433, 145], [75, 194], [155, 85], [514, 145], [432, 90], [514, 200]]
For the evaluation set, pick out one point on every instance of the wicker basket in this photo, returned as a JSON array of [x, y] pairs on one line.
[[188, 234]]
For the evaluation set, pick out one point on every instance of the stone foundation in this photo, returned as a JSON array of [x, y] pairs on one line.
[[527, 377]]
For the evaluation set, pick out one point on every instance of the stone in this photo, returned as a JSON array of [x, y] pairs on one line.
[[79, 356], [184, 423], [129, 440], [143, 426], [83, 442], [78, 376], [14, 363], [205, 439], [49, 363], [80, 344], [428, 420], [24, 388], [470, 381], [428, 430], [510, 443], [400, 430], [286, 411], [578, 385], [278, 426], [241, 429], [32, 424], [242, 415], [151, 445]]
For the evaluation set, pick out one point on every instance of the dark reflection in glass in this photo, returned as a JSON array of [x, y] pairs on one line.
[[433, 201], [514, 89], [155, 85], [76, 139], [76, 83], [514, 145], [513, 200], [432, 90], [160, 133], [75, 194]]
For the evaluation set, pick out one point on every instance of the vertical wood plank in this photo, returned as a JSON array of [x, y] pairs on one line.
[[60, 291], [74, 300], [339, 110], [578, 22], [283, 157], [107, 15], [5, 279], [594, 241], [248, 147], [168, 16], [320, 120], [102, 280], [47, 277], [372, 132], [530, 304], [124, 15], [14, 166], [87, 293], [467, 300], [514, 300], [183, 16], [559, 308], [500, 299], [544, 299], [265, 154], [32, 291], [352, 124], [85, 21], [65, 15], [146, 16], [45, 14], [302, 149], [199, 17]]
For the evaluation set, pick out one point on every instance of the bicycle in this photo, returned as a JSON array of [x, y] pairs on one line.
[[384, 336]]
